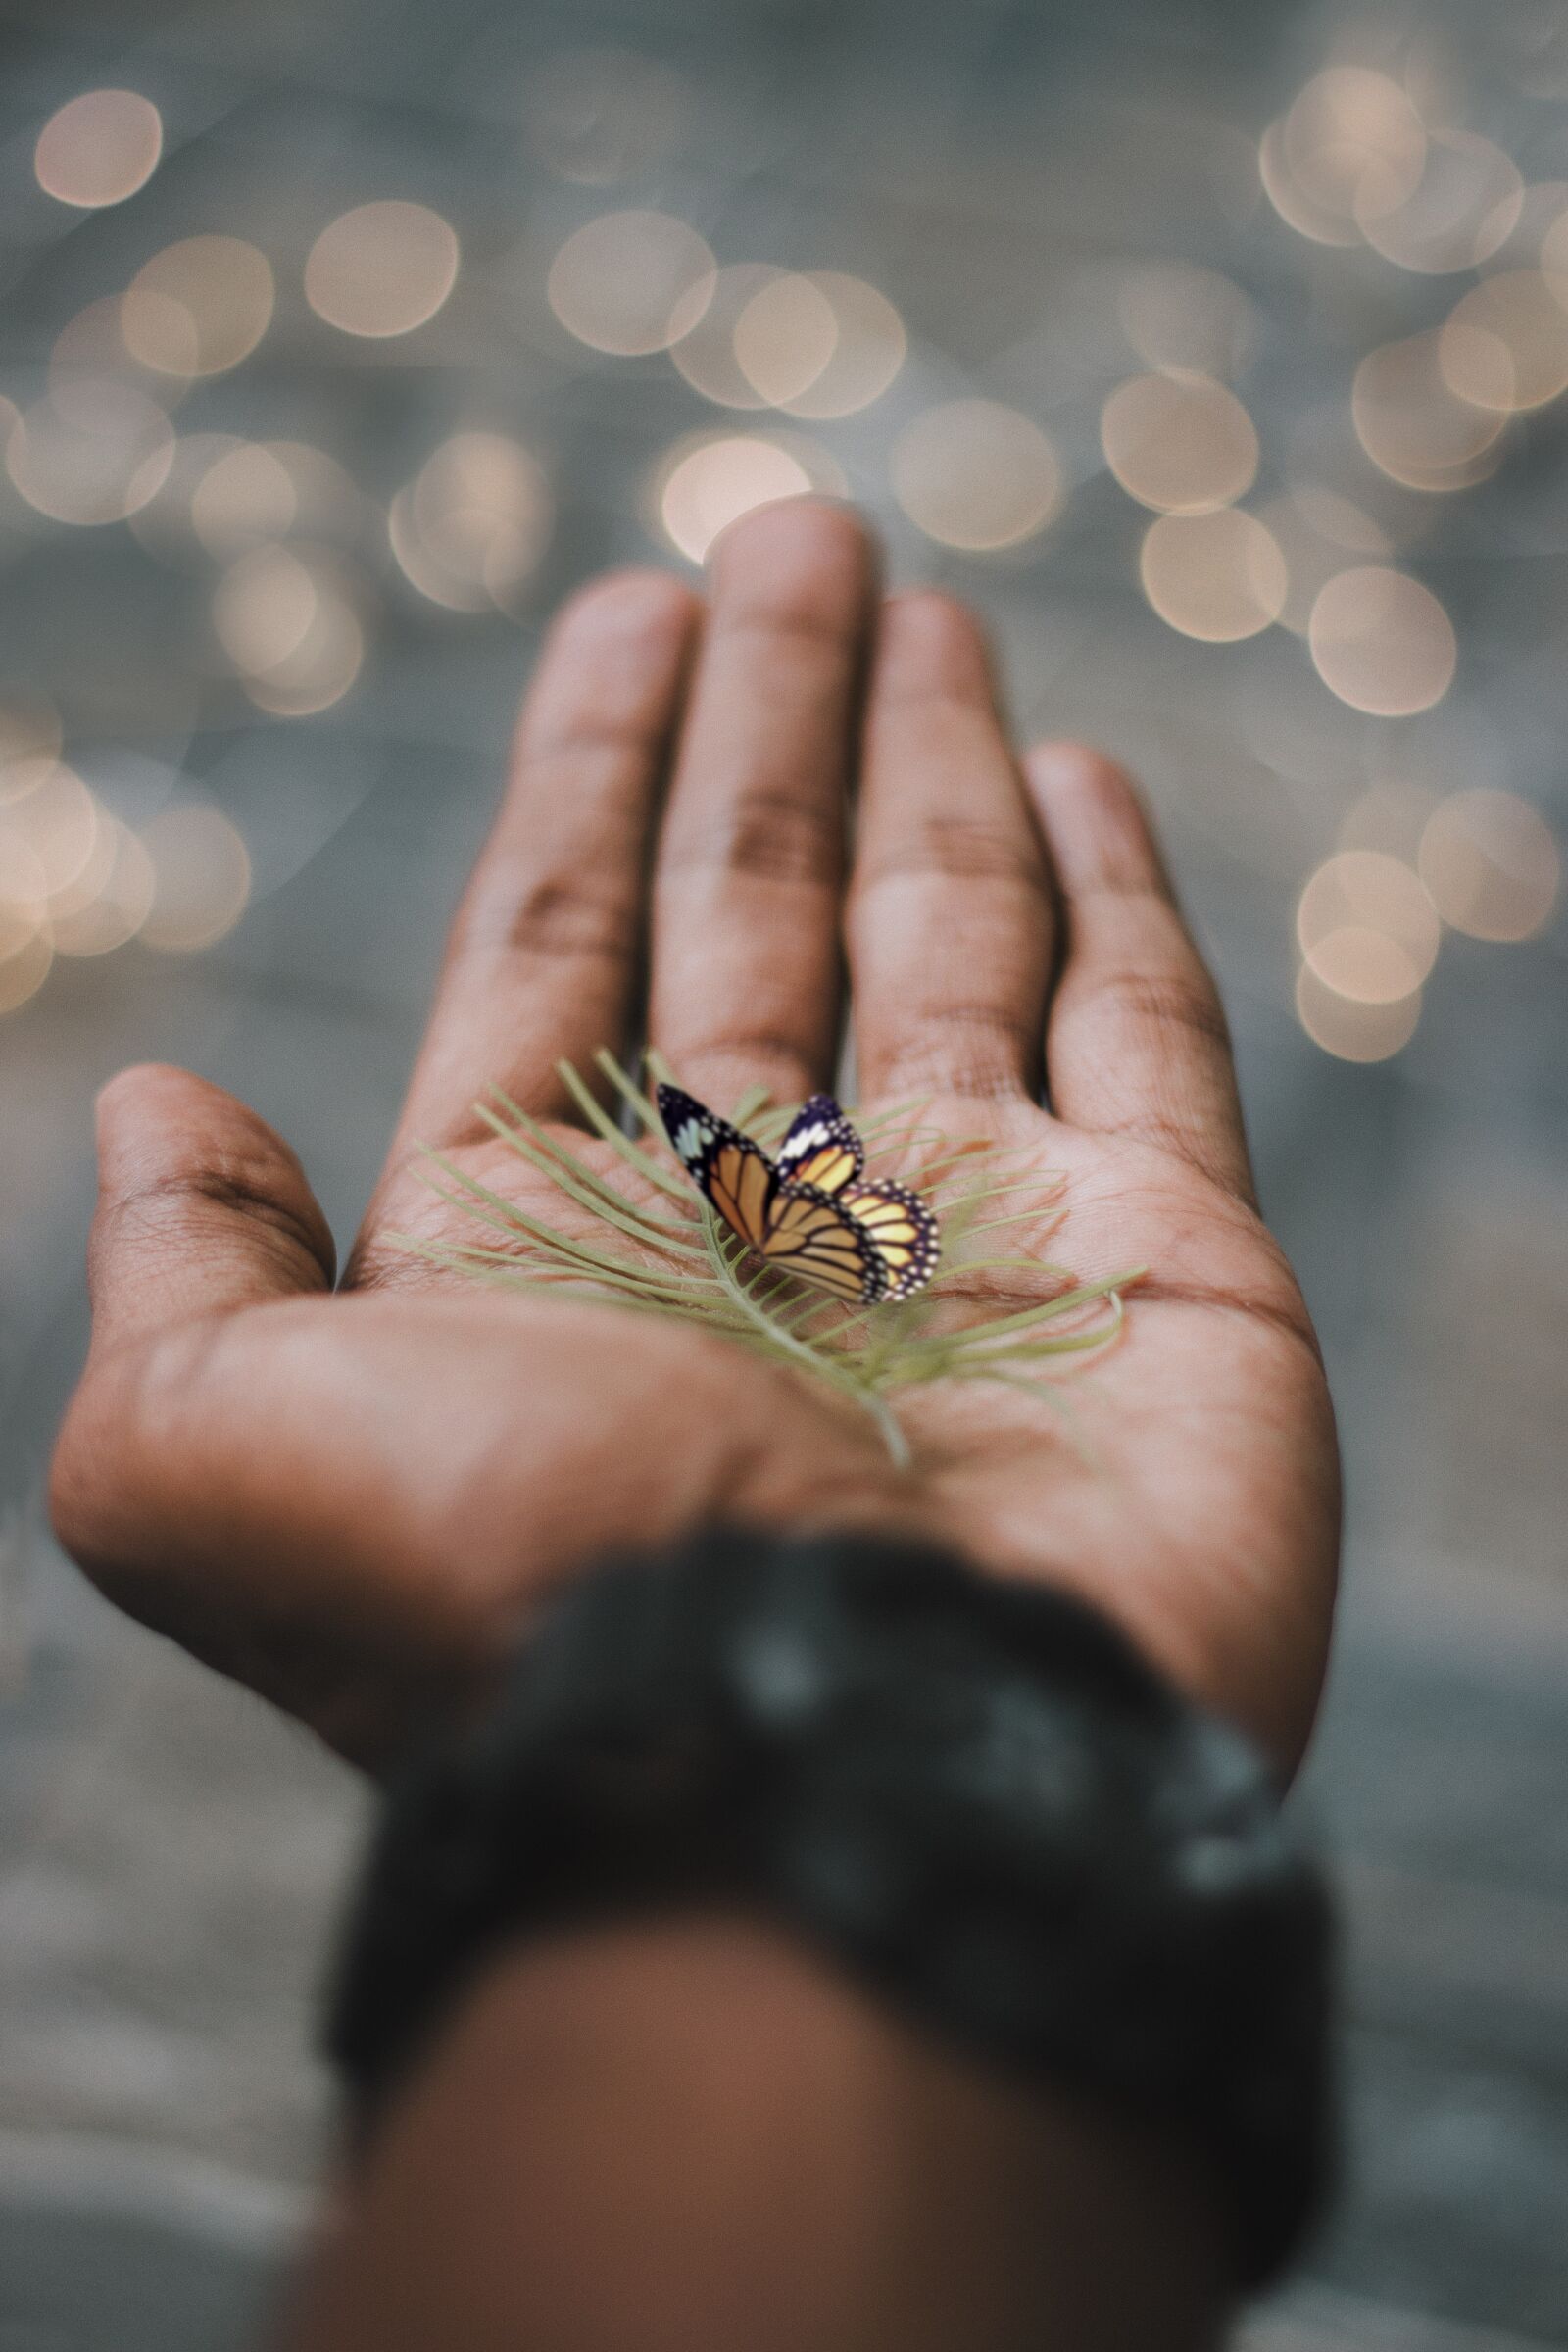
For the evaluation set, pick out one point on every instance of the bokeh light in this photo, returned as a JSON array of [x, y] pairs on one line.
[[1506, 343], [706, 484], [1410, 423], [27, 953], [705, 350], [1462, 210], [1218, 576], [632, 282], [98, 463], [977, 476], [1180, 442], [246, 495], [1367, 926], [201, 874], [1353, 144], [288, 624], [469, 530], [1177, 315], [785, 336], [1382, 642], [1351, 1029], [112, 911], [100, 148], [30, 738], [90, 352], [382, 270], [1491, 863], [868, 348], [199, 307], [1314, 529]]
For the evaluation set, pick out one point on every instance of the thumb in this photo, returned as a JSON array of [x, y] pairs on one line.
[[202, 1208]]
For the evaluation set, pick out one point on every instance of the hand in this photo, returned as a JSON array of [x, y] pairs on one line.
[[351, 1500]]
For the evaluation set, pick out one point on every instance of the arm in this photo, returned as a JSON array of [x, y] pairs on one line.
[[353, 1500], [695, 2135]]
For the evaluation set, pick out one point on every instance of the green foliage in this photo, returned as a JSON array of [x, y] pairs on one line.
[[653, 1246]]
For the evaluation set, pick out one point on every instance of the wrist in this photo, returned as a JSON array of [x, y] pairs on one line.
[[697, 2129]]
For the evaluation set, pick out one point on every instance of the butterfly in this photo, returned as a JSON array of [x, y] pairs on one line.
[[808, 1211]]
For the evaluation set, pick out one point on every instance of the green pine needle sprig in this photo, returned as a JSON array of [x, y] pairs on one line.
[[659, 1249]]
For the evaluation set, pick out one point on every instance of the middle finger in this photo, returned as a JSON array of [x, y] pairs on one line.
[[744, 977]]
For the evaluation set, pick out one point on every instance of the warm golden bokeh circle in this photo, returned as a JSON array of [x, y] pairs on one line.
[[1218, 576], [98, 463], [1367, 926], [382, 270], [1382, 642], [632, 282], [1412, 425], [1351, 1030], [288, 626], [707, 486], [1492, 864], [100, 148], [976, 476], [1506, 343], [1179, 442], [1461, 211], [469, 530], [199, 307], [201, 883]]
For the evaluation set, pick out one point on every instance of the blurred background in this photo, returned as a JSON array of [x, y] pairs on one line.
[[1218, 349]]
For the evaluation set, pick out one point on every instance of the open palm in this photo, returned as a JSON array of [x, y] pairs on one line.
[[352, 1500]]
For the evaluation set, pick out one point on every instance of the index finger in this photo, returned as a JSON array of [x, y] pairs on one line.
[[544, 958]]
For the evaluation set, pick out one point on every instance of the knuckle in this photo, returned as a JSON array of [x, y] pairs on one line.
[[1165, 1001], [636, 603], [793, 529], [550, 916], [929, 627], [963, 850], [1080, 768], [764, 832], [973, 1050], [159, 1206]]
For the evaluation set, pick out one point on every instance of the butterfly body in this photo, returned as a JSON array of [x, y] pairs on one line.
[[809, 1212]]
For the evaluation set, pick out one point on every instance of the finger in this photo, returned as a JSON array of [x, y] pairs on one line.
[[746, 965], [1137, 1042], [951, 914], [546, 949], [201, 1209]]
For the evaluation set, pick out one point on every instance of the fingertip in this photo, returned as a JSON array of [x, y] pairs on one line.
[[1064, 766], [143, 1091], [934, 641], [638, 602], [818, 542], [1096, 819]]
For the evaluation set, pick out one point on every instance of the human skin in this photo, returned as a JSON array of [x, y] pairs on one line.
[[353, 1499]]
